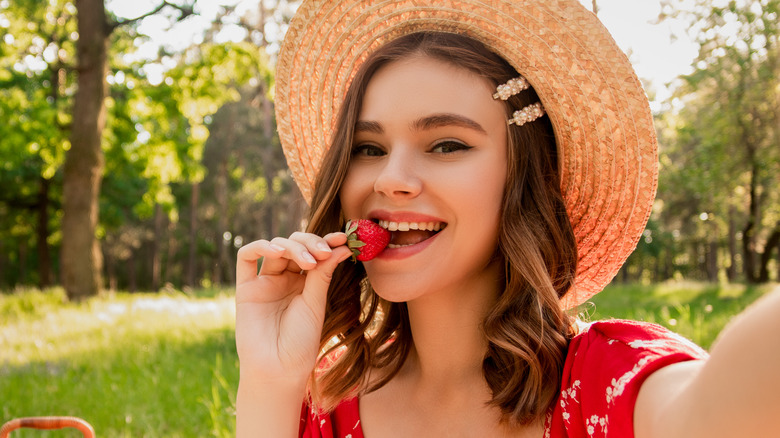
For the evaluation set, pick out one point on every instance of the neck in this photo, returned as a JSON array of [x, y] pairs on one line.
[[449, 344]]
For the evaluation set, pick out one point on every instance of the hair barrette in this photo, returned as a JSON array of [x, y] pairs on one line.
[[510, 88], [515, 86], [527, 114]]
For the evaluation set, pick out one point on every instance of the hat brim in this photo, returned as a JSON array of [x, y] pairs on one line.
[[600, 113]]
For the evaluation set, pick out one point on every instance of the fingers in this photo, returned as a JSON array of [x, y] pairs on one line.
[[318, 280], [304, 249], [335, 239], [249, 254], [301, 251]]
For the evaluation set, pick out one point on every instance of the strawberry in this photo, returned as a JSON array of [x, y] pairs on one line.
[[366, 239]]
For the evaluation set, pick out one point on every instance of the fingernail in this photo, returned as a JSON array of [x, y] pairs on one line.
[[308, 257], [275, 247], [322, 246]]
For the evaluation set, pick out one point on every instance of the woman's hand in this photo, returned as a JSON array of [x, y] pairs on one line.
[[280, 311], [279, 317]]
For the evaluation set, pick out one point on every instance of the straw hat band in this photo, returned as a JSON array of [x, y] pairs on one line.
[[602, 122]]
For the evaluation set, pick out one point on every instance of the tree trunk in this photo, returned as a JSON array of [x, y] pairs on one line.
[[731, 271], [712, 261], [777, 277], [155, 247], [22, 260], [83, 169], [221, 193], [772, 242], [193, 238], [132, 277], [110, 270], [170, 258], [44, 257], [748, 234], [2, 265]]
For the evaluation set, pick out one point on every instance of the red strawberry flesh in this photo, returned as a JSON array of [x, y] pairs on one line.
[[366, 239]]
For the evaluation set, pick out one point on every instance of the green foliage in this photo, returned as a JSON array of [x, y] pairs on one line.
[[159, 116], [719, 153], [35, 96], [221, 415], [30, 302]]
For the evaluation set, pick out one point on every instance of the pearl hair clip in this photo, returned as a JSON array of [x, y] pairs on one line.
[[512, 87], [525, 115]]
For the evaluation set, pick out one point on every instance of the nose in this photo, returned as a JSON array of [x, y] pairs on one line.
[[399, 177]]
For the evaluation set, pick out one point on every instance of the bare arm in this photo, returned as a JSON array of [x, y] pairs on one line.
[[279, 317], [736, 393]]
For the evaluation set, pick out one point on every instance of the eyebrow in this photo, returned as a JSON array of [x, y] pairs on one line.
[[447, 119], [428, 122], [368, 126]]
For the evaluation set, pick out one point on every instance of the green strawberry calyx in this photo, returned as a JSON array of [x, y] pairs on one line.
[[353, 242]]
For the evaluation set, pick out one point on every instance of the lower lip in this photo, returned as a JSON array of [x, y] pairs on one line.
[[406, 251]]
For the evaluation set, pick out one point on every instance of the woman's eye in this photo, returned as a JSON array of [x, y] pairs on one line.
[[368, 150], [448, 147]]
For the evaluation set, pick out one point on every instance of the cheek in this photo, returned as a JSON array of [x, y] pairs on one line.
[[351, 194], [481, 187]]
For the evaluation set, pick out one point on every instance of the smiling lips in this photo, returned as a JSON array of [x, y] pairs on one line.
[[410, 233]]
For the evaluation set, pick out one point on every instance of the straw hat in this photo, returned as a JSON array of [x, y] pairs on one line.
[[598, 109]]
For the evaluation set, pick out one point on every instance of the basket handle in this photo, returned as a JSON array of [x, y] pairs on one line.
[[48, 423]]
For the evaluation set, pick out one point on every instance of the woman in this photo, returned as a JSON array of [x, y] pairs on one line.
[[514, 208]]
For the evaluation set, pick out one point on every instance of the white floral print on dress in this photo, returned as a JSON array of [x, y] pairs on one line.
[[596, 421], [618, 385], [568, 395]]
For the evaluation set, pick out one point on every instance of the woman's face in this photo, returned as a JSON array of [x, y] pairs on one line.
[[429, 163]]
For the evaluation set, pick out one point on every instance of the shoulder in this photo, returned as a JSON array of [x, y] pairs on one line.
[[639, 337], [606, 364], [611, 354]]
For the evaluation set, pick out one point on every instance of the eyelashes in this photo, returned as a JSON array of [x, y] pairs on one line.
[[446, 147], [367, 150], [450, 146]]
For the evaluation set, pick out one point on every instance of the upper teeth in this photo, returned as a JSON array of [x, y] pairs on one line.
[[406, 226]]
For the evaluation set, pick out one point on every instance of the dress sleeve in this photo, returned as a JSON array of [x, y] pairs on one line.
[[604, 370]]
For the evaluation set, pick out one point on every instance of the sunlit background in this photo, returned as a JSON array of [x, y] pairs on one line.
[[116, 300]]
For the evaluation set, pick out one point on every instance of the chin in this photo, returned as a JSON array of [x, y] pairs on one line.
[[393, 295]]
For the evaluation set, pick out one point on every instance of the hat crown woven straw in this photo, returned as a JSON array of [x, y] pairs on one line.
[[599, 111]]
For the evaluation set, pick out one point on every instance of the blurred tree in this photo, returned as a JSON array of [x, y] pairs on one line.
[[248, 192], [720, 155], [207, 77], [158, 114], [36, 69], [81, 260]]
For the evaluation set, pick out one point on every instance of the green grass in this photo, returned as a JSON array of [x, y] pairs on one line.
[[140, 365], [164, 365], [695, 310]]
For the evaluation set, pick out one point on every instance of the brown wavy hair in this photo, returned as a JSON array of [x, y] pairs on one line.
[[527, 331]]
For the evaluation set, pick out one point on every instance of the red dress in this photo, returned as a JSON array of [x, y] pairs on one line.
[[605, 367]]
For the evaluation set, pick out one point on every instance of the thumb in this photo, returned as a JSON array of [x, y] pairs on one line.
[[315, 289]]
